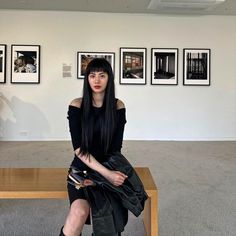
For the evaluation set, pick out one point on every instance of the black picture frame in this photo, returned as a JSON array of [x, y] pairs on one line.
[[196, 66], [164, 66], [83, 58], [3, 52], [133, 66], [25, 64]]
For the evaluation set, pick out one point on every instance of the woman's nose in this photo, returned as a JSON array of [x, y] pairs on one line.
[[97, 79]]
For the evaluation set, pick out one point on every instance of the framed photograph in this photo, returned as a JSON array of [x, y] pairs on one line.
[[133, 65], [3, 49], [196, 66], [83, 58], [25, 64], [164, 66]]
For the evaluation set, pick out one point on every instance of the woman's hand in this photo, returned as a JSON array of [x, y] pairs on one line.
[[88, 182], [117, 178]]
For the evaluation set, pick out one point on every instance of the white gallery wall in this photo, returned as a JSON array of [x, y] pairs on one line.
[[154, 112]]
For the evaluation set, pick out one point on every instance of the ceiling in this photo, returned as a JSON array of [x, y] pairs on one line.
[[113, 6]]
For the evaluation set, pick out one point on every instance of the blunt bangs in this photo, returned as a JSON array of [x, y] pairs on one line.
[[99, 65]]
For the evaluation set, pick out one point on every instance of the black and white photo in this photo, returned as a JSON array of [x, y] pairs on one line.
[[164, 66], [196, 66], [133, 65], [2, 63], [25, 64]]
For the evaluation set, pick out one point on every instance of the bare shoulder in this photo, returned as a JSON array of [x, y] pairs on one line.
[[120, 104], [76, 102]]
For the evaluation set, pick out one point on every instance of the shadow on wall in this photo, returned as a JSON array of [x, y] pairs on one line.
[[20, 120]]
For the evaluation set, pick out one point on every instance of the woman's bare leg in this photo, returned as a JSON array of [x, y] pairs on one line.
[[79, 211]]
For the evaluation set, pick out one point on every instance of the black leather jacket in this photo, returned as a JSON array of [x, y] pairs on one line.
[[109, 203]]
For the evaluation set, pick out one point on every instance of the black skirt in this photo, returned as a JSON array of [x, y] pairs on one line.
[[75, 194]]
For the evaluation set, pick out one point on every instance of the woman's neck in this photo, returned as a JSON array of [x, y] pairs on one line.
[[98, 99]]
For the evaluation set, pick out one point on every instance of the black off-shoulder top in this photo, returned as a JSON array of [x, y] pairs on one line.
[[74, 117]]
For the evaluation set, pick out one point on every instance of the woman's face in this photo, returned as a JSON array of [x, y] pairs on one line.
[[98, 81], [19, 62]]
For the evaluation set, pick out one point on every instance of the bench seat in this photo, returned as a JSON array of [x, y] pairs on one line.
[[41, 183]]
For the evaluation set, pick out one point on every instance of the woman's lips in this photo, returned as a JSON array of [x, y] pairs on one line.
[[97, 87]]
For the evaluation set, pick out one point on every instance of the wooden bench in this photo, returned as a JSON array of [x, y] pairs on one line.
[[51, 183]]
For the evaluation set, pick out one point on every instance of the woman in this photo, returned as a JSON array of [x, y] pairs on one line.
[[96, 124]]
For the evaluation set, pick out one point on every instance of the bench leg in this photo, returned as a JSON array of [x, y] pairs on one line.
[[150, 215]]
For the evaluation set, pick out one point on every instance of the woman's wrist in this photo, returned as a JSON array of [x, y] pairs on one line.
[[104, 172]]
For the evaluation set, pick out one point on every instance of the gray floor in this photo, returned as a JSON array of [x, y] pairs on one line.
[[196, 182]]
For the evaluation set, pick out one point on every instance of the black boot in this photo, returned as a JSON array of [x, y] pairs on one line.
[[61, 233], [119, 234]]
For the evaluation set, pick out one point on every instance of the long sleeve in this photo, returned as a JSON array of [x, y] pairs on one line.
[[118, 136], [74, 117]]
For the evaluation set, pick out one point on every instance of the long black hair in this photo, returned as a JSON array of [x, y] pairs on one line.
[[108, 118]]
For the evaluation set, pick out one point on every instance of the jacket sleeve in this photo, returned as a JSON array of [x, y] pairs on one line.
[[74, 117], [118, 136]]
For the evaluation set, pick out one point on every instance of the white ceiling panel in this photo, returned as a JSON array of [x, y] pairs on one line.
[[117, 6]]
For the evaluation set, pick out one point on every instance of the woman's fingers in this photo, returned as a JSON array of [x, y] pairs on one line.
[[117, 178], [120, 178], [88, 182], [122, 174]]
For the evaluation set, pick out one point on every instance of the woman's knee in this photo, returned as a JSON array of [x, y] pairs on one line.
[[80, 209]]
